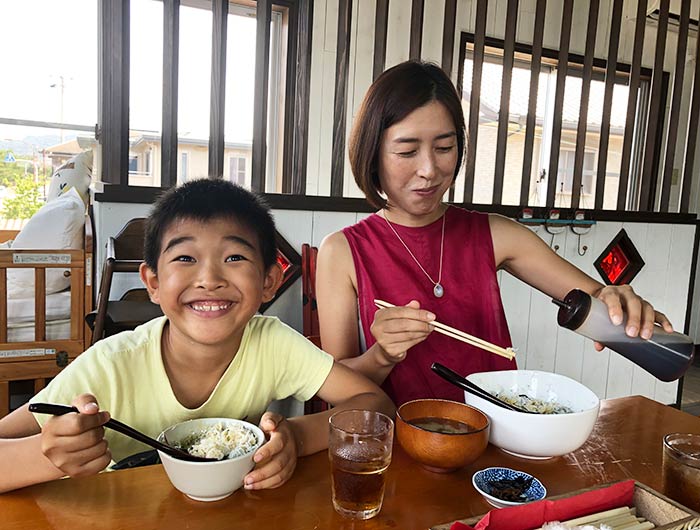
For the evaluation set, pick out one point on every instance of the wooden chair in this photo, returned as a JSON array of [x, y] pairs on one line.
[[308, 286], [310, 313], [124, 254]]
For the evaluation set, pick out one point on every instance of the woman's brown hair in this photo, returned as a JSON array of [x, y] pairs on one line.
[[394, 95]]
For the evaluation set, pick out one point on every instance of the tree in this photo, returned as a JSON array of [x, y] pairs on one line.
[[27, 199]]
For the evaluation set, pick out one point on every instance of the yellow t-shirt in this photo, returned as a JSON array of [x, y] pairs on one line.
[[125, 373]]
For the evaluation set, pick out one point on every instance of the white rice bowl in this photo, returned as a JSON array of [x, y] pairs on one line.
[[537, 435], [237, 440]]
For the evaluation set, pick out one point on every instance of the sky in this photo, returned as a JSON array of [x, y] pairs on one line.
[[54, 42]]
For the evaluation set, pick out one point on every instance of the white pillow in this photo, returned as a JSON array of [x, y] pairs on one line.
[[75, 173], [57, 225]]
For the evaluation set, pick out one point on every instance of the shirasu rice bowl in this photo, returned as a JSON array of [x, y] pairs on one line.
[[540, 406], [235, 441], [220, 441]]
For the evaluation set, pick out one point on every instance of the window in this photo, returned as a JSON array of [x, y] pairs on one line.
[[184, 167], [489, 108], [565, 178], [48, 95], [237, 173], [154, 47], [133, 164]]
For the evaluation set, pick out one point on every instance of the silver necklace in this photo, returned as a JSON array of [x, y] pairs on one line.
[[438, 290]]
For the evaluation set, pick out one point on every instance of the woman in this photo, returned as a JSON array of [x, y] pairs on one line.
[[406, 148]]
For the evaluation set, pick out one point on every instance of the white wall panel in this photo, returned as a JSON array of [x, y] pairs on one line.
[[330, 32], [295, 226], [571, 346], [541, 332], [516, 297], [647, 285], [325, 138], [552, 24], [328, 222], [596, 364], [496, 18], [433, 21], [463, 22], [318, 128], [398, 33], [109, 219]]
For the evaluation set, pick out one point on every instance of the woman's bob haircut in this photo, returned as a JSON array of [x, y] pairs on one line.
[[394, 95]]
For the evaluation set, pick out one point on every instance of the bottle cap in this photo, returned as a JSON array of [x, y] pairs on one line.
[[574, 309]]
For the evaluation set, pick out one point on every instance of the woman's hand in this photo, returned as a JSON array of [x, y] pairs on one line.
[[396, 329], [75, 443], [276, 460], [641, 315]]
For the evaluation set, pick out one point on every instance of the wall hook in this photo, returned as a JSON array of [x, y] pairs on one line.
[[580, 249]]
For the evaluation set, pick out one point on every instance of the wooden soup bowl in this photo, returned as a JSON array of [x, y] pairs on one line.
[[436, 451]]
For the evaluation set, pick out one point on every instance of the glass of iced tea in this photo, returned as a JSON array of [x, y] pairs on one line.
[[681, 469], [359, 449]]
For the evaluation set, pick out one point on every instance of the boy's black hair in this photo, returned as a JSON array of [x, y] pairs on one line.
[[205, 200]]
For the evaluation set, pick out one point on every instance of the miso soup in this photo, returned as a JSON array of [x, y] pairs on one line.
[[442, 425]]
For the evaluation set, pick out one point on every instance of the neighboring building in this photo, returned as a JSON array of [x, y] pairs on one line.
[[192, 160], [489, 104], [145, 155]]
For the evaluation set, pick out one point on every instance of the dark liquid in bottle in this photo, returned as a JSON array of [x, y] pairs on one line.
[[666, 361]]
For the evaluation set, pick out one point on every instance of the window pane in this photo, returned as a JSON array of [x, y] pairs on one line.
[[50, 76], [489, 109], [194, 90], [240, 92], [240, 86], [26, 165], [49, 61], [145, 92]]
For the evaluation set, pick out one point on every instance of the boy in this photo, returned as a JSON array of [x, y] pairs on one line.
[[210, 261]]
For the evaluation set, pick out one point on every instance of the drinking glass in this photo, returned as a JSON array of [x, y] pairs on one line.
[[681, 468], [359, 449]]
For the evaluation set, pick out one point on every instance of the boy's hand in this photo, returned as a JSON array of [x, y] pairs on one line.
[[75, 443], [276, 460]]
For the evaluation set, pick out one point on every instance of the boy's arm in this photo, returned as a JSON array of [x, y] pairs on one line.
[[275, 461], [21, 461], [344, 388], [72, 444]]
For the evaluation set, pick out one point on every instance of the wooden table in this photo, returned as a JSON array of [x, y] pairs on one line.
[[626, 443]]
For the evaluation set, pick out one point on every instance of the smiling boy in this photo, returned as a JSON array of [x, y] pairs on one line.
[[210, 262]]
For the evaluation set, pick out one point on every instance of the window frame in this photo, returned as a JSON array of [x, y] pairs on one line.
[[574, 69], [113, 86]]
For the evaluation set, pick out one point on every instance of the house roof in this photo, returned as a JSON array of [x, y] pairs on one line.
[[153, 138]]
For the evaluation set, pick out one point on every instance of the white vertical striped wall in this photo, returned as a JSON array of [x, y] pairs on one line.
[[398, 34]]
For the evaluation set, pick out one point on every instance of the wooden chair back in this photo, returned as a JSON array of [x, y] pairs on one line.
[[308, 286], [124, 254]]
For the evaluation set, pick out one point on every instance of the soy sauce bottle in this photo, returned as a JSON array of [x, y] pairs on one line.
[[665, 355]]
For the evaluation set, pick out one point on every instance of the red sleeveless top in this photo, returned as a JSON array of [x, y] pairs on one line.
[[471, 303]]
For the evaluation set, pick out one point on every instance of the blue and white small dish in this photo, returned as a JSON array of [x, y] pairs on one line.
[[484, 480]]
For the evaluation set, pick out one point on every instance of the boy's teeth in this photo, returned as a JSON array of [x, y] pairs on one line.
[[209, 307]]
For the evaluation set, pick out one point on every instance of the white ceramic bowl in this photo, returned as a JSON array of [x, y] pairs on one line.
[[207, 481], [536, 435]]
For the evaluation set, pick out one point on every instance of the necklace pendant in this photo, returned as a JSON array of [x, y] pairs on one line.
[[438, 291]]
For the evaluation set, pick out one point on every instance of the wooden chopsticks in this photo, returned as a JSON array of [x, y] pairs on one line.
[[508, 353]]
